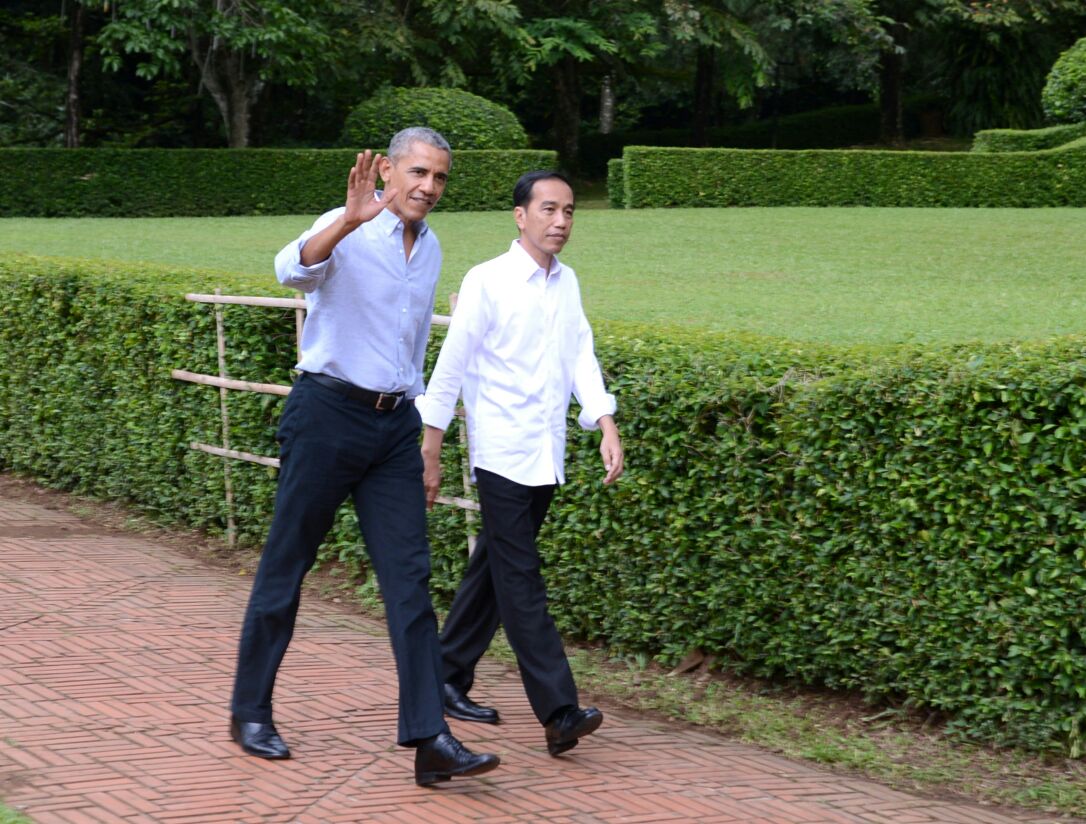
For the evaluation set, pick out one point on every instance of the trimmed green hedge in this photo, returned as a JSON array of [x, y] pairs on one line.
[[655, 177], [905, 523], [616, 195], [185, 182], [1027, 140]]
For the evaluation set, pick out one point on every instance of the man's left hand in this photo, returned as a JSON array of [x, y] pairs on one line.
[[611, 452]]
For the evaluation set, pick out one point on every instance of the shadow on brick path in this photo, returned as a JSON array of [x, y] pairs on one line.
[[116, 659]]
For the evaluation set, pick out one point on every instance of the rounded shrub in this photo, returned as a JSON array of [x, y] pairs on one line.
[[1064, 94], [466, 120]]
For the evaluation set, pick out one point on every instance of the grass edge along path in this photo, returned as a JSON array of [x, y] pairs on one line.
[[830, 730]]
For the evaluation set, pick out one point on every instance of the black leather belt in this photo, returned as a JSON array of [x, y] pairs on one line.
[[382, 401]]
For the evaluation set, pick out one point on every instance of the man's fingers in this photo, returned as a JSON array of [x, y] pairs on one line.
[[612, 464]]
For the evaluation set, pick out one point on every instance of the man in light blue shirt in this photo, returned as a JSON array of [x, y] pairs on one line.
[[369, 270]]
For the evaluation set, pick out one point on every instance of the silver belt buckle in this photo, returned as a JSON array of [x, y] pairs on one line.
[[386, 402]]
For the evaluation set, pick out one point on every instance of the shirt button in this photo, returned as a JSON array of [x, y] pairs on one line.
[[404, 309]]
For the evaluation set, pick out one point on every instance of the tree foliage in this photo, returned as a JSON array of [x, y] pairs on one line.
[[238, 46], [287, 72]]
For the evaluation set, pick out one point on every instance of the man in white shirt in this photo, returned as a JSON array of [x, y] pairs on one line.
[[518, 346]]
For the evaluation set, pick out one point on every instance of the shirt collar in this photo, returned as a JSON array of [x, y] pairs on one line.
[[527, 265], [388, 222]]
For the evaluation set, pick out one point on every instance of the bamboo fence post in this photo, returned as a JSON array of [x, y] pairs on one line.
[[220, 341], [299, 323], [223, 383]]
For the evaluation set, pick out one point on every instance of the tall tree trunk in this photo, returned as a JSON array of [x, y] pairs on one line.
[[75, 68], [234, 90], [240, 120], [891, 110], [607, 105], [567, 112], [891, 90], [704, 95]]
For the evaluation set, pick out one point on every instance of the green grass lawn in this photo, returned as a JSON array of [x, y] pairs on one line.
[[834, 275]]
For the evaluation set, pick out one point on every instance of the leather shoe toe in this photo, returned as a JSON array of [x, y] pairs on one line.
[[458, 705], [258, 739], [564, 731], [443, 757]]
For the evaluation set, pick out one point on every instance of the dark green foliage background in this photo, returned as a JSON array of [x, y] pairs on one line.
[[466, 120], [655, 177], [1027, 140], [834, 127], [907, 523], [214, 182]]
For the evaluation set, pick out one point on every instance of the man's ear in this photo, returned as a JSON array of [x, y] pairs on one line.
[[384, 168], [518, 216]]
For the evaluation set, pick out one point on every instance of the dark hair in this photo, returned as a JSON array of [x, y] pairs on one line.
[[522, 191]]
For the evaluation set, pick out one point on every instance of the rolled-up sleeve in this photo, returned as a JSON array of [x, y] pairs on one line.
[[289, 270], [588, 386]]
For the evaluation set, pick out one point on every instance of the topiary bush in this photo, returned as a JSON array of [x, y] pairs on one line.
[[466, 120], [1064, 96]]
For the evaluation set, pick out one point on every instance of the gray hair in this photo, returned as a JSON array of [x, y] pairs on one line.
[[402, 140]]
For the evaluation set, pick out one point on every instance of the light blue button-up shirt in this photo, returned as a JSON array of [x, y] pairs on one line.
[[368, 306]]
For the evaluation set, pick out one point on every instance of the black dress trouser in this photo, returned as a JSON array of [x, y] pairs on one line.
[[333, 447], [504, 583]]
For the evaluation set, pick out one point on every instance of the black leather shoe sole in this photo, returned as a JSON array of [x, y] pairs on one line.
[[568, 740], [558, 749], [426, 778], [484, 718], [274, 750]]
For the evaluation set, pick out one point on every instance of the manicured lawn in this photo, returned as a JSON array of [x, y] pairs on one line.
[[844, 275]]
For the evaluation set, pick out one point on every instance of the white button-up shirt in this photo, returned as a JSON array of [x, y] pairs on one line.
[[518, 346]]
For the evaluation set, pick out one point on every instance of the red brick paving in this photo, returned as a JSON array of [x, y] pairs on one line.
[[116, 659]]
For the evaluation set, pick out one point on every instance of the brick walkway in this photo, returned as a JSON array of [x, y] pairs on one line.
[[116, 658]]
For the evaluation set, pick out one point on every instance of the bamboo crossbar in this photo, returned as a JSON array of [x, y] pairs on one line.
[[223, 383], [463, 503], [248, 300], [230, 383], [234, 453]]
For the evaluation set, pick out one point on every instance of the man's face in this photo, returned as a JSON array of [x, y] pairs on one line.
[[546, 221], [419, 176]]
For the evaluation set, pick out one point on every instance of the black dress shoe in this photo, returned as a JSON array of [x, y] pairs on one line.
[[258, 739], [564, 730], [441, 757], [458, 705]]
